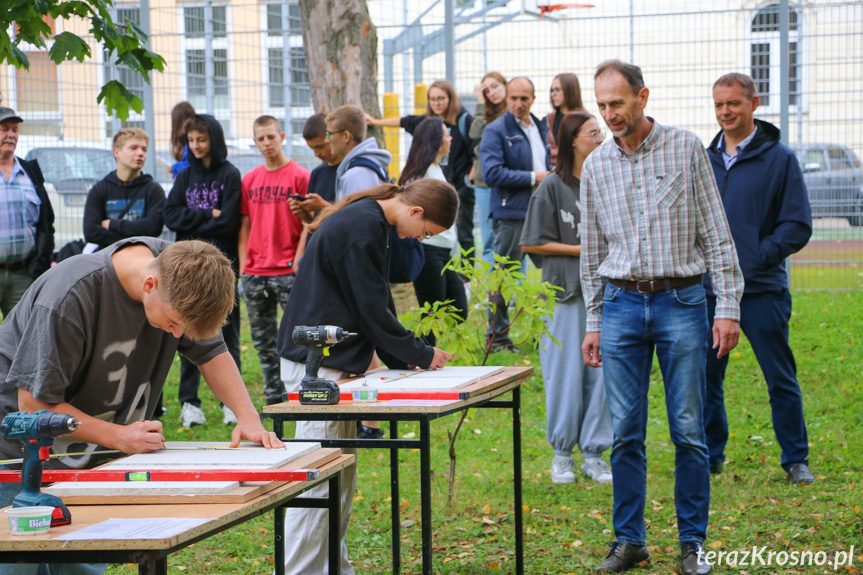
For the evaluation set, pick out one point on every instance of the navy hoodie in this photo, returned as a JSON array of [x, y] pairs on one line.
[[767, 207], [199, 189]]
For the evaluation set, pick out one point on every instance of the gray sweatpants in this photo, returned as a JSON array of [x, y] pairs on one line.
[[575, 402]]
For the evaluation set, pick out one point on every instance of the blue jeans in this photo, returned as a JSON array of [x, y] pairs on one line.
[[486, 223], [674, 323], [764, 319]]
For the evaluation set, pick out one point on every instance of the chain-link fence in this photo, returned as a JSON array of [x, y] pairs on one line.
[[229, 59]]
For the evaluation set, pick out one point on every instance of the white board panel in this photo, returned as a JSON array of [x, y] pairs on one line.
[[73, 488], [214, 456], [476, 371]]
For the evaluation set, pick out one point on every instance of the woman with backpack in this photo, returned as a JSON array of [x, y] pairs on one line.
[[431, 144], [444, 103]]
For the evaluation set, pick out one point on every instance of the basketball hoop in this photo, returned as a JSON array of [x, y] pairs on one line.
[[547, 8]]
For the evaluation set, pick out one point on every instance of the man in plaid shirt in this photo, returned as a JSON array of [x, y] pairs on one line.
[[652, 224], [26, 217]]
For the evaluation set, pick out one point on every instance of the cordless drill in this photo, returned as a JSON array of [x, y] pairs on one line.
[[37, 430], [315, 390]]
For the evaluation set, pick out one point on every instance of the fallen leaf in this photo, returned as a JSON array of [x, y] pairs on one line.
[[715, 544]]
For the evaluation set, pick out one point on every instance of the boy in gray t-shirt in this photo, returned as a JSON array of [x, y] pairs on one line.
[[95, 337]]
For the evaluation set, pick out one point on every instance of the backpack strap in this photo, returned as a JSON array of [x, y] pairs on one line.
[[462, 126], [361, 161]]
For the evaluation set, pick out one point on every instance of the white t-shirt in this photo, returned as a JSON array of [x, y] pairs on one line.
[[446, 239]]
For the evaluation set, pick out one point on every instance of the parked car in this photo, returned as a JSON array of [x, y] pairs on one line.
[[834, 179], [69, 173]]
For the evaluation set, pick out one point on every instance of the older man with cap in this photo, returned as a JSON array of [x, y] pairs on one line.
[[26, 217]]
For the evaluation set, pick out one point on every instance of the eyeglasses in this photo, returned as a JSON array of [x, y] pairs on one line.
[[596, 135], [336, 132], [439, 100]]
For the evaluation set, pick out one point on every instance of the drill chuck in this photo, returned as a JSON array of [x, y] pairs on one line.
[[56, 425]]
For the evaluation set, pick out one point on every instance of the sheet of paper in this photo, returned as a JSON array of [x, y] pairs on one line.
[[149, 528], [417, 402]]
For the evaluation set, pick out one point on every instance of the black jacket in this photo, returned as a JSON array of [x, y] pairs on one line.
[[342, 281], [199, 189], [110, 197], [40, 260]]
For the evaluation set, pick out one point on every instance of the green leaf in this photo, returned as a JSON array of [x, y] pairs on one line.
[[118, 100], [18, 58], [68, 46]]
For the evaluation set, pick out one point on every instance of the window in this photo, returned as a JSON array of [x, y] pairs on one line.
[[193, 17], [813, 161], [131, 79], [764, 57], [195, 61], [274, 19], [838, 159], [37, 88], [278, 69]]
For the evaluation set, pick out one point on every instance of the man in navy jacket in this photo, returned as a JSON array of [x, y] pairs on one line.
[[515, 158], [768, 210]]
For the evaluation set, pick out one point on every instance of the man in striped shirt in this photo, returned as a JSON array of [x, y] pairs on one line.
[[652, 224]]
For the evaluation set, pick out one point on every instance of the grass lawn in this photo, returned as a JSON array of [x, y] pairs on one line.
[[567, 527]]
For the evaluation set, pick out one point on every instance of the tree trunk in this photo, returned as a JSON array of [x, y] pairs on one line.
[[341, 54]]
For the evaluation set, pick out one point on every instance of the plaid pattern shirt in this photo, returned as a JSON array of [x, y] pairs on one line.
[[655, 214], [19, 214]]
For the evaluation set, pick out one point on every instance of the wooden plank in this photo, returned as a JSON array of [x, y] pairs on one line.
[[72, 494]]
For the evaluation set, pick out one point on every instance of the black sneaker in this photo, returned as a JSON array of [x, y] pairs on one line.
[[800, 475], [623, 556], [716, 467], [366, 432], [692, 559]]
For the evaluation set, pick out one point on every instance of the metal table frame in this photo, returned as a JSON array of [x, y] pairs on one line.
[[155, 561], [316, 413]]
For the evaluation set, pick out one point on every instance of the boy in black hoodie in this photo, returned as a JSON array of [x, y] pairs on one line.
[[125, 203], [204, 204]]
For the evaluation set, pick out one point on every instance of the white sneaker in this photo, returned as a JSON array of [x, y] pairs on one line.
[[192, 415], [597, 469], [562, 469], [230, 418]]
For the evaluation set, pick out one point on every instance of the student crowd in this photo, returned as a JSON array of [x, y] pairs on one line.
[[659, 245]]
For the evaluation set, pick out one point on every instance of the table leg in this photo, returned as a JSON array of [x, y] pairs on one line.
[[396, 502], [335, 518], [425, 495], [153, 565], [516, 447], [278, 427], [279, 541]]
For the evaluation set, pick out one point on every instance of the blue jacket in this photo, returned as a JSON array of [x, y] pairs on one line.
[[767, 207], [506, 161]]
